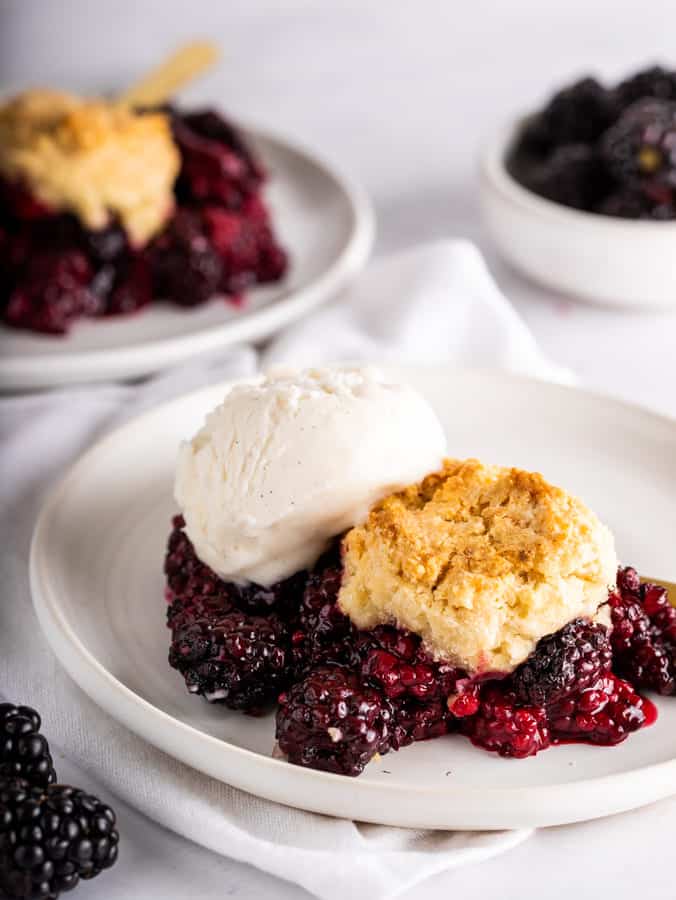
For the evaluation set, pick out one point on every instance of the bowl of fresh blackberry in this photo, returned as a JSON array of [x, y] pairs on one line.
[[581, 195]]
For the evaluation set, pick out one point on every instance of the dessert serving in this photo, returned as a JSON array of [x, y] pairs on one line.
[[605, 150], [105, 208], [329, 558]]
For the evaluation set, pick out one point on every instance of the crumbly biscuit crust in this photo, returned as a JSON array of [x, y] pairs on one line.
[[480, 560]]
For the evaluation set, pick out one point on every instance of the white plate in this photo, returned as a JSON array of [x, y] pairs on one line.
[[322, 218], [96, 574]]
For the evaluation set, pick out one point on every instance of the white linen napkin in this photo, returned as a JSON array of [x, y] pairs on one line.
[[436, 303]]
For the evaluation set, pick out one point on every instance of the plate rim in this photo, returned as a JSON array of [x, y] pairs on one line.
[[144, 718], [89, 366]]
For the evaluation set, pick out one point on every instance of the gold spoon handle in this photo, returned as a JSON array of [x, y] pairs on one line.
[[160, 84]]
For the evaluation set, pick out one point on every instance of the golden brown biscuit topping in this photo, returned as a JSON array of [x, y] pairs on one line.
[[91, 158], [480, 560]]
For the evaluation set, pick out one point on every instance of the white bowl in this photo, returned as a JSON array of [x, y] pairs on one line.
[[611, 261]]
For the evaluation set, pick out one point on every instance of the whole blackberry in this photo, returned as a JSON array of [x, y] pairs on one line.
[[239, 660], [563, 663], [24, 752], [52, 292], [131, 288], [412, 721], [645, 200], [397, 663], [577, 114], [190, 582], [644, 633], [331, 720], [186, 267], [216, 165], [506, 727], [50, 838], [641, 145], [572, 175], [604, 713], [653, 82], [325, 634]]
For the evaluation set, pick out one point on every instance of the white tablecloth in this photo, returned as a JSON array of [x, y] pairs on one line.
[[401, 94]]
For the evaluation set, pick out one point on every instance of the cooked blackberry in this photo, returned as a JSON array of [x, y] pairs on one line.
[[505, 726], [396, 662], [131, 287], [239, 660], [24, 752], [604, 713], [105, 245], [641, 145], [217, 166], [643, 635], [189, 581], [653, 82], [413, 721], [331, 720], [562, 663], [185, 265], [576, 114], [325, 633], [53, 293], [51, 838]]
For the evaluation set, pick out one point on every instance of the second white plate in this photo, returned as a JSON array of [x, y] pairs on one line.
[[322, 218], [96, 574]]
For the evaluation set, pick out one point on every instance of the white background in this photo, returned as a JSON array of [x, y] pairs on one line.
[[401, 94]]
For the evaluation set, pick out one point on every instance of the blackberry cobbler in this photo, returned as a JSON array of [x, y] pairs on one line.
[[478, 600], [105, 209]]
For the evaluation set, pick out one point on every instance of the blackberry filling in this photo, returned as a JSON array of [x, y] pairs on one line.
[[346, 695]]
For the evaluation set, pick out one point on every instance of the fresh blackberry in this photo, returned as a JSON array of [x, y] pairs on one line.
[[578, 114], [641, 145], [331, 720], [239, 660], [604, 713], [563, 663], [640, 201], [654, 82], [506, 727], [644, 633], [50, 838], [572, 175], [24, 752]]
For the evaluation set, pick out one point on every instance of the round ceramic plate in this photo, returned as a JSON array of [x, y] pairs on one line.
[[324, 221], [96, 572]]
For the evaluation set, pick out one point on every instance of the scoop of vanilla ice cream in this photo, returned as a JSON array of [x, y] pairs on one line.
[[285, 464]]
